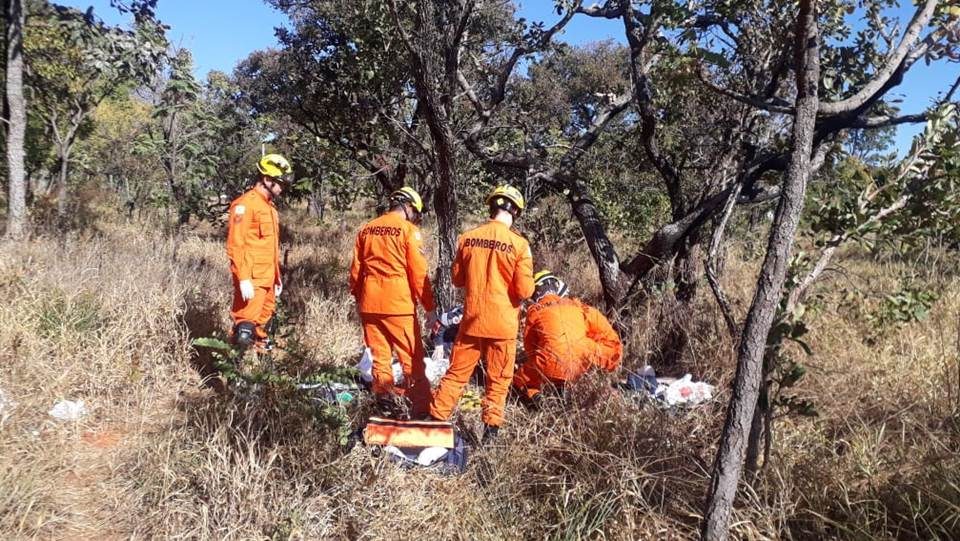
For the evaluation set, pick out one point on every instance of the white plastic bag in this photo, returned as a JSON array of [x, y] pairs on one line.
[[436, 365], [397, 373], [68, 410], [684, 391], [6, 406], [426, 457], [365, 366]]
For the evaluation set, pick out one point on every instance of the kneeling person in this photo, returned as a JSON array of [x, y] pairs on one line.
[[562, 338], [388, 277]]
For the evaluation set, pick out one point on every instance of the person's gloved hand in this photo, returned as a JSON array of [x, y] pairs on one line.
[[278, 288], [246, 289]]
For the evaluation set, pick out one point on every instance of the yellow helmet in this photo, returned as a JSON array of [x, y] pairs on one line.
[[502, 194], [409, 195], [546, 282], [274, 166], [542, 276]]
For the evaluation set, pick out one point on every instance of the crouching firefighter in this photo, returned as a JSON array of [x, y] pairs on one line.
[[388, 277], [494, 265], [253, 247], [562, 339]]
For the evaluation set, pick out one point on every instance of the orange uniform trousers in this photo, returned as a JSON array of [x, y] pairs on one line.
[[535, 374], [498, 355], [397, 334], [530, 379], [258, 310]]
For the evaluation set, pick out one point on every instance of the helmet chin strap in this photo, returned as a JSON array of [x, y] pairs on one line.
[[411, 216], [269, 188]]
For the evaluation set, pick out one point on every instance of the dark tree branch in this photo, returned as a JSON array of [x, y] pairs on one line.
[[638, 40], [777, 106], [886, 121]]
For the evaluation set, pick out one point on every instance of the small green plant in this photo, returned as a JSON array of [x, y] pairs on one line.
[[258, 374], [908, 305], [61, 316]]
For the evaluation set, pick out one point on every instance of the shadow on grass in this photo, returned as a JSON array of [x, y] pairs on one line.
[[202, 319]]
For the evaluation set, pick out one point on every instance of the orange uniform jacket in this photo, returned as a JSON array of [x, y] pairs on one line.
[[563, 338], [495, 267], [253, 240], [389, 271]]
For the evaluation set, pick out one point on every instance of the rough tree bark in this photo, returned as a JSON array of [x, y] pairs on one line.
[[435, 52], [729, 461], [16, 122], [612, 281]]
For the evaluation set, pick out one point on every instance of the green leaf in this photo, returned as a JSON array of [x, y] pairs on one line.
[[716, 59], [212, 343]]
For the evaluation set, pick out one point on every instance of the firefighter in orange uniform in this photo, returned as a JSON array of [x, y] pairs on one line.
[[494, 265], [388, 277], [562, 339], [253, 247]]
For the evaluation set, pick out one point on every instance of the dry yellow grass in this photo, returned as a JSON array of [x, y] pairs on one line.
[[108, 318]]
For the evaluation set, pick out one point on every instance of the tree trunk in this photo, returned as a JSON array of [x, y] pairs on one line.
[[63, 173], [16, 122], [688, 269], [315, 205], [759, 426], [746, 387], [434, 75], [448, 223], [612, 279]]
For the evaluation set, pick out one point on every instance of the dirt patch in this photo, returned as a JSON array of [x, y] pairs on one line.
[[104, 439]]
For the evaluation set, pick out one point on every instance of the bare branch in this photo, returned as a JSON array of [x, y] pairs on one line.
[[499, 90], [711, 263], [752, 101], [472, 96], [886, 121], [897, 62], [597, 126], [610, 10]]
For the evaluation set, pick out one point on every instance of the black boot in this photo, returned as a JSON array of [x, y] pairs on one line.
[[244, 334], [536, 402], [490, 434]]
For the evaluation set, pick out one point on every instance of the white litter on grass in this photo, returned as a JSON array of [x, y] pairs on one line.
[[6, 406], [431, 454], [436, 365], [684, 391], [426, 457], [365, 366], [68, 410]]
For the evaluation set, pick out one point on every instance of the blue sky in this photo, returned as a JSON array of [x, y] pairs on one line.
[[220, 33]]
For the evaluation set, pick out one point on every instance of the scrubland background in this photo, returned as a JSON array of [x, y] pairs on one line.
[[107, 316]]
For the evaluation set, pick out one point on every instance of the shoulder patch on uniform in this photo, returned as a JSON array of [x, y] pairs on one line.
[[529, 252], [239, 210], [417, 235]]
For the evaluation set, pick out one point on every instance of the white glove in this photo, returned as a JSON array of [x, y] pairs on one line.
[[246, 289], [277, 289]]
